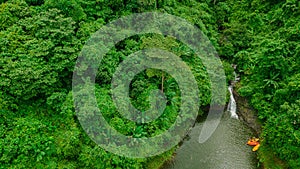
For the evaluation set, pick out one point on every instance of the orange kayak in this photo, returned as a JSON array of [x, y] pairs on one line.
[[252, 143], [256, 147]]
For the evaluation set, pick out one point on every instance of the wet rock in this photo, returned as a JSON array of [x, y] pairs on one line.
[[247, 113]]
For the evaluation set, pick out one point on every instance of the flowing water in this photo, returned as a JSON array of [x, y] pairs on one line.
[[232, 104], [225, 149]]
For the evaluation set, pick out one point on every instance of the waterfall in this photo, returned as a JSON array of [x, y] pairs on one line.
[[232, 104]]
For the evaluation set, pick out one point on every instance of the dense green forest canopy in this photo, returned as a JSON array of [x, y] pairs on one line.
[[40, 41]]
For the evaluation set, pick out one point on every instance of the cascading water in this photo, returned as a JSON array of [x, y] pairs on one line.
[[232, 104]]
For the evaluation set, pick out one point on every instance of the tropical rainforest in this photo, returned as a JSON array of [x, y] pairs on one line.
[[40, 41]]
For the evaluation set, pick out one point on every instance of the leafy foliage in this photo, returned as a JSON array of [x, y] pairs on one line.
[[40, 40], [269, 65]]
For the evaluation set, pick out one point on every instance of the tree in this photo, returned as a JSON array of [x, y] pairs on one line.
[[37, 55]]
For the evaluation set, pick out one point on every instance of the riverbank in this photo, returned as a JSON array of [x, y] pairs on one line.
[[267, 158], [159, 161], [246, 112]]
